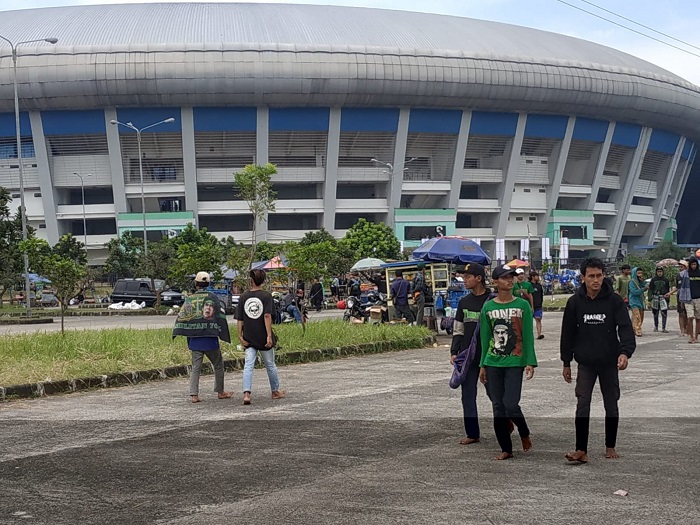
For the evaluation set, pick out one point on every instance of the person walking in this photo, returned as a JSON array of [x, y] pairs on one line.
[[597, 333], [335, 284], [693, 306], [680, 305], [466, 320], [255, 333], [636, 299], [659, 294], [523, 288], [622, 283], [508, 349], [418, 292], [398, 294], [537, 302], [202, 319]]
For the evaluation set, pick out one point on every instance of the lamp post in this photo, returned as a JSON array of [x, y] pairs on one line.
[[82, 192], [23, 209], [138, 140]]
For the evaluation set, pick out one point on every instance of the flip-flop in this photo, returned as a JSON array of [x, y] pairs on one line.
[[468, 441], [570, 457]]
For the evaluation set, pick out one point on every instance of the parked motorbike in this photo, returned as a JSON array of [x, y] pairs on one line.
[[377, 308], [354, 312]]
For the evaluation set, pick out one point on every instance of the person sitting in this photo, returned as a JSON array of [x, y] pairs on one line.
[[291, 305], [354, 285]]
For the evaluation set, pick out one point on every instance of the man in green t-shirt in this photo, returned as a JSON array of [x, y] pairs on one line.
[[508, 349], [622, 283], [523, 288]]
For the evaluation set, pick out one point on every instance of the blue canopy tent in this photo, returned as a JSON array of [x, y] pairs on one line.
[[455, 250], [36, 278]]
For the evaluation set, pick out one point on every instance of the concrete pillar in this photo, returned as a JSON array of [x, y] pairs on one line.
[[505, 194], [45, 184], [262, 140], [189, 161], [331, 184], [660, 202], [559, 167], [115, 161], [600, 168], [399, 159], [460, 154]]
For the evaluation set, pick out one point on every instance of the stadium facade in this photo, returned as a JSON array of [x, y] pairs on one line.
[[424, 122]]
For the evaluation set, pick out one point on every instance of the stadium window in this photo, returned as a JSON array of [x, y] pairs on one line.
[[37, 194], [42, 226], [528, 161], [532, 218], [526, 190], [16, 195], [518, 218], [543, 162], [542, 190]]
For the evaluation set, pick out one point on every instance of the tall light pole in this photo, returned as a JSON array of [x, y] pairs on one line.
[[138, 140], [23, 209], [82, 192]]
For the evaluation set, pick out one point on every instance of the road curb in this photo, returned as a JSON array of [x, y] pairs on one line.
[[16, 321], [68, 386]]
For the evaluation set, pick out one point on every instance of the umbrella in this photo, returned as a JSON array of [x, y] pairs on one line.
[[274, 264], [453, 250], [367, 263], [667, 262], [517, 263], [36, 278]]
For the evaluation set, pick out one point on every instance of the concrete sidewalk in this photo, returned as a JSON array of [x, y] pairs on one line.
[[358, 440]]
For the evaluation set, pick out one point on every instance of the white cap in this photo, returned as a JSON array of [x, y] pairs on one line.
[[202, 277], [519, 271]]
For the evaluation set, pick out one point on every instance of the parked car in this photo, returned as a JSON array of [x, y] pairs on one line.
[[48, 299], [139, 290]]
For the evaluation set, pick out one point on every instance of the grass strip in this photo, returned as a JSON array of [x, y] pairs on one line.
[[28, 358]]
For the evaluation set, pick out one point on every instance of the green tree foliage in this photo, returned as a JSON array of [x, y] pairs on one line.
[[321, 259], [196, 250], [68, 277], [667, 250], [156, 265], [123, 255], [369, 239], [265, 251], [317, 237], [11, 258], [238, 260], [69, 247], [254, 183]]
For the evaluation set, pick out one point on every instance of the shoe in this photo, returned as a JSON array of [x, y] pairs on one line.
[[664, 331], [656, 329], [541, 336], [279, 394]]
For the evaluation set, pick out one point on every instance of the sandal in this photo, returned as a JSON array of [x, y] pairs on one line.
[[468, 441]]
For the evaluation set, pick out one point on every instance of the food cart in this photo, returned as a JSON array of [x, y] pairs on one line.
[[437, 277]]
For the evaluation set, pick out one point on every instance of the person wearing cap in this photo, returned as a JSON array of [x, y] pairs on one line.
[[508, 350], [693, 305], [537, 302], [418, 292], [398, 294], [203, 308], [659, 294], [254, 313], [680, 305], [466, 320], [523, 288]]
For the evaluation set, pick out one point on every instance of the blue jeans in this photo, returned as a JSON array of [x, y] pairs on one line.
[[293, 310], [268, 357], [471, 415]]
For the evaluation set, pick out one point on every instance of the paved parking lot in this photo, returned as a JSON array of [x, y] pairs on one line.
[[359, 440]]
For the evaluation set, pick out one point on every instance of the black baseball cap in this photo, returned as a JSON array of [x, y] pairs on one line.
[[474, 269], [502, 271]]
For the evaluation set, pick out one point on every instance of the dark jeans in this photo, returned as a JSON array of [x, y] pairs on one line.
[[504, 385], [420, 308], [664, 317], [469, 391], [403, 310], [610, 388]]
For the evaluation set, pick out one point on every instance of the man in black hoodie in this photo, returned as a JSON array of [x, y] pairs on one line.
[[597, 333]]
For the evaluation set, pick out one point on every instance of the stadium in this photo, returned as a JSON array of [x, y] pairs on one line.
[[428, 123]]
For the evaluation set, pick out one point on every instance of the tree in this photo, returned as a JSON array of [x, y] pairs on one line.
[[667, 250], [11, 258], [123, 255], [264, 251], [67, 276], [195, 251], [316, 237], [369, 239], [254, 183], [70, 248], [156, 265], [238, 260]]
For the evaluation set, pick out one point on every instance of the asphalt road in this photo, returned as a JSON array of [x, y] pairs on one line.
[[360, 440]]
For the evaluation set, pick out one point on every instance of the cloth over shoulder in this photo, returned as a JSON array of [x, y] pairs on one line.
[[202, 315]]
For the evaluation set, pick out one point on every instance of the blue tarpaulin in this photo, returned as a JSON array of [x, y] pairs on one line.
[[454, 250]]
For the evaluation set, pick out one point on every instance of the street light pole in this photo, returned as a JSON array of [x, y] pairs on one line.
[[23, 208], [138, 141], [82, 192]]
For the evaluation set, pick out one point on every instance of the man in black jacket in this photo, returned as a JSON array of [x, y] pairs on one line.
[[597, 333]]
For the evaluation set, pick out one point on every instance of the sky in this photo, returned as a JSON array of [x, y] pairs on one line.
[[677, 18]]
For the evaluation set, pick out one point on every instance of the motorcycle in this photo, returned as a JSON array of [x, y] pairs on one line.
[[282, 316], [377, 308], [354, 311]]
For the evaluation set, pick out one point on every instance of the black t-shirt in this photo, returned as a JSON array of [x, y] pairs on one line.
[[537, 296], [469, 313], [694, 283], [252, 307]]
